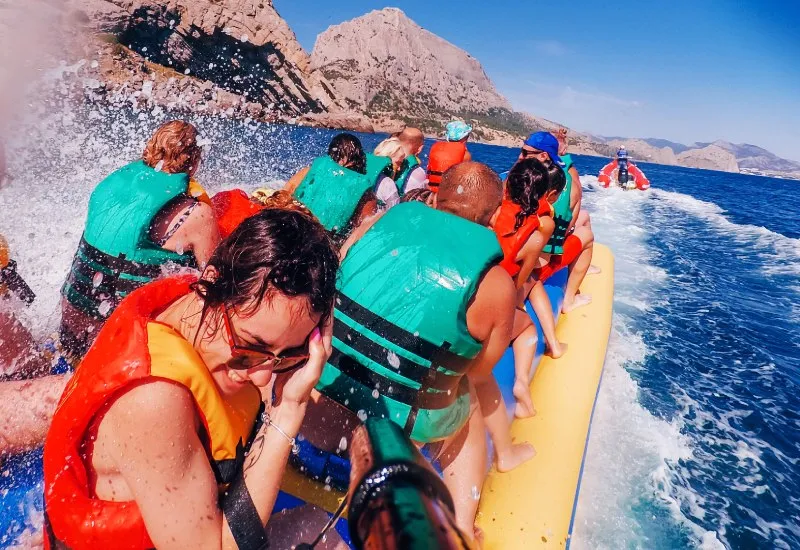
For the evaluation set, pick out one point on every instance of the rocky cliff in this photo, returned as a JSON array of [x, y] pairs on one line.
[[711, 157], [384, 60], [241, 46], [387, 66]]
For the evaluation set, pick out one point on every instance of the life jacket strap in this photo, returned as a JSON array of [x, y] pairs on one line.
[[117, 264], [414, 398]]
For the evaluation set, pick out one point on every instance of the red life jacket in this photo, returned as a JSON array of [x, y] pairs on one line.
[[231, 208], [444, 155], [512, 240], [130, 349]]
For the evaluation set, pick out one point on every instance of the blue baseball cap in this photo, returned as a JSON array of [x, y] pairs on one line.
[[457, 130], [547, 142]]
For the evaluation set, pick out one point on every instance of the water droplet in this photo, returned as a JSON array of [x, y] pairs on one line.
[[104, 308], [395, 252], [352, 389], [460, 189], [343, 444], [393, 359], [476, 495], [328, 488], [362, 415], [376, 394], [97, 279], [530, 342], [160, 164], [328, 480]]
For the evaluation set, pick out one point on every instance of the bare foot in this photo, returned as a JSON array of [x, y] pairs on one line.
[[522, 393], [518, 455], [593, 270], [556, 351], [579, 301]]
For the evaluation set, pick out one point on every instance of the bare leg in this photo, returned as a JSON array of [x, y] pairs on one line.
[[26, 410], [544, 312], [577, 272], [524, 351], [464, 468], [493, 408]]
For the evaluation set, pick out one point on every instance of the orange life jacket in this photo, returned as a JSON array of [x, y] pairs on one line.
[[511, 238], [132, 348], [231, 208], [444, 155]]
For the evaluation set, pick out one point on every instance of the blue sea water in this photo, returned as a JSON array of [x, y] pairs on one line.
[[696, 439]]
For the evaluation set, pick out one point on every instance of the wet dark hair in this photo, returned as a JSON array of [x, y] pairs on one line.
[[275, 250], [346, 149], [528, 181], [558, 178], [417, 195]]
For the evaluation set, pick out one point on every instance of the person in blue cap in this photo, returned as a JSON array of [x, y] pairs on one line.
[[458, 131]]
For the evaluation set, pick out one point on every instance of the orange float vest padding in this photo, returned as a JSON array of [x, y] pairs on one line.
[[130, 349], [444, 155], [231, 208], [512, 240]]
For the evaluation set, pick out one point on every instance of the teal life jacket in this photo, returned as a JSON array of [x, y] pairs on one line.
[[401, 344], [378, 167], [116, 255], [332, 193], [409, 165], [562, 213]]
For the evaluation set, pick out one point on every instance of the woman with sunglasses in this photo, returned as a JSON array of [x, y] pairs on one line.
[[177, 426]]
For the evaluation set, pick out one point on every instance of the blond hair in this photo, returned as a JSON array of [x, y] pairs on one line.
[[392, 148]]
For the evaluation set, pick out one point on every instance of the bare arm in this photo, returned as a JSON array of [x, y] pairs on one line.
[[533, 249], [199, 233], [490, 319], [576, 195], [26, 410], [294, 181]]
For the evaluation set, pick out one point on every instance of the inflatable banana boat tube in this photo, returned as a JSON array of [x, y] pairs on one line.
[[534, 506], [531, 507]]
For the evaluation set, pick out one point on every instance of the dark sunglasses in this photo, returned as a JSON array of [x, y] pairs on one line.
[[525, 153], [253, 356]]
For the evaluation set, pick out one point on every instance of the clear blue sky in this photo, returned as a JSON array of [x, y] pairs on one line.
[[681, 70]]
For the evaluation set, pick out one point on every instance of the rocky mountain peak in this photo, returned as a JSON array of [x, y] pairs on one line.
[[385, 62]]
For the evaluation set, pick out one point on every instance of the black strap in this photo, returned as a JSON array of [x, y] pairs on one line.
[[415, 398], [428, 376], [17, 284], [111, 284], [118, 264], [243, 519], [388, 330]]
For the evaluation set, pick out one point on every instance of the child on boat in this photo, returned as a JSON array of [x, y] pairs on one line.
[[523, 228]]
